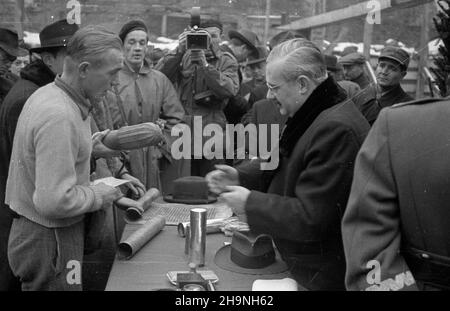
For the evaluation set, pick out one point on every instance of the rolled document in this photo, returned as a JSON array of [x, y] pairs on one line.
[[212, 226], [135, 212], [134, 242], [134, 137]]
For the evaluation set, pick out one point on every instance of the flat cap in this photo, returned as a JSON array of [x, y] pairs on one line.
[[352, 58], [396, 54]]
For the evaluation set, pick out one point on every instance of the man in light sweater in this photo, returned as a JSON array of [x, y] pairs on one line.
[[48, 182]]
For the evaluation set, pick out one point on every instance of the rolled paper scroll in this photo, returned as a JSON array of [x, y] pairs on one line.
[[212, 226], [138, 239], [134, 137], [135, 212]]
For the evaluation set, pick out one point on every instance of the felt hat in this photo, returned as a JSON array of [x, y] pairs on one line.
[[249, 254], [9, 42], [396, 54], [349, 50], [190, 190], [248, 37], [352, 59], [259, 58], [332, 62], [55, 35]]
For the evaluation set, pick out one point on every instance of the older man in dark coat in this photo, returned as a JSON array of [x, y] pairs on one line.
[[301, 202]]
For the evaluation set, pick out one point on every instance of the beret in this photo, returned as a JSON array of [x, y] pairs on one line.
[[131, 26]]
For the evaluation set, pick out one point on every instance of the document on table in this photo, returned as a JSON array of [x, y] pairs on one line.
[[110, 181], [175, 213]]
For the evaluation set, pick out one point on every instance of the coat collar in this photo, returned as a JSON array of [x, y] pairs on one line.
[[145, 68], [326, 95], [81, 101], [38, 73], [390, 97], [391, 92]]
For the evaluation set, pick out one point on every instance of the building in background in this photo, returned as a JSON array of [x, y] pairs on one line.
[[401, 24]]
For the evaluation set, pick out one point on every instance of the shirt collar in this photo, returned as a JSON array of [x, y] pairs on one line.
[[81, 101], [382, 94], [145, 68]]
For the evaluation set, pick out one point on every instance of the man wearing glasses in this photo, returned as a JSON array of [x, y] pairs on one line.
[[300, 202]]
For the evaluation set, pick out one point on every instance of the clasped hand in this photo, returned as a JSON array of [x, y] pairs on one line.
[[99, 150], [225, 181]]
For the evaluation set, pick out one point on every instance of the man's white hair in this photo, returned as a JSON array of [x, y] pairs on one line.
[[299, 57]]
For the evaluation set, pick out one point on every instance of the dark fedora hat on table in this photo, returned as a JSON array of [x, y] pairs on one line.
[[9, 42], [190, 190], [249, 254], [55, 35]]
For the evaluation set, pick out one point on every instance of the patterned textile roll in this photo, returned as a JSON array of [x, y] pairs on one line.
[[134, 137]]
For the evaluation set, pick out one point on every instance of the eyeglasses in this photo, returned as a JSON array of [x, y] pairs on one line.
[[274, 88]]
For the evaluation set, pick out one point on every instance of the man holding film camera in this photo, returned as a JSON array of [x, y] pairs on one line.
[[205, 78]]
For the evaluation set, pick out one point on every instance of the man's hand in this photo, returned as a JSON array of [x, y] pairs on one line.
[[198, 57], [4, 68], [99, 150], [125, 203], [135, 185], [182, 41], [109, 194], [161, 123], [222, 177], [236, 198]]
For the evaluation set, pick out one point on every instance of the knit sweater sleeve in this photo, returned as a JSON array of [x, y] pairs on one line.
[[58, 193]]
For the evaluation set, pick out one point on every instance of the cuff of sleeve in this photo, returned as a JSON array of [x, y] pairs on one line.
[[246, 179], [122, 172], [98, 199], [255, 200], [102, 201]]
